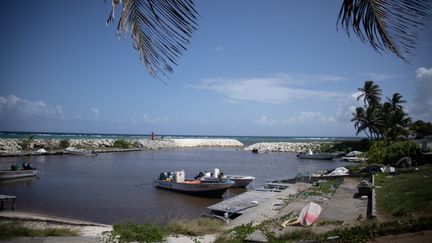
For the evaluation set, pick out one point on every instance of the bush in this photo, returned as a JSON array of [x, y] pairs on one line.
[[383, 153], [121, 143], [64, 143]]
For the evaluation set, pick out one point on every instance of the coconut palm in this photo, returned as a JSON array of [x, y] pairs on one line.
[[359, 119], [391, 25], [161, 29], [371, 93], [396, 101]]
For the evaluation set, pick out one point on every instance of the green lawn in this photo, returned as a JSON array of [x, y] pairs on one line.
[[405, 194]]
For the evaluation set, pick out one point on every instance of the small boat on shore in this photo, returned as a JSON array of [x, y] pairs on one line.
[[76, 151], [16, 172], [176, 181], [239, 180]]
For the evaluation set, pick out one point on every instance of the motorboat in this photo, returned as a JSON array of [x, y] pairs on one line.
[[319, 156], [239, 180], [175, 181], [76, 151], [16, 172]]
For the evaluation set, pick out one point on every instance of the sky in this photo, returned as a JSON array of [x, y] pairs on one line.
[[253, 68]]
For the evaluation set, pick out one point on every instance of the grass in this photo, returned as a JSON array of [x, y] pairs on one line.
[[325, 188], [15, 229], [157, 233], [407, 194]]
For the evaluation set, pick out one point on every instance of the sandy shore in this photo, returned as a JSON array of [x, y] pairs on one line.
[[41, 221]]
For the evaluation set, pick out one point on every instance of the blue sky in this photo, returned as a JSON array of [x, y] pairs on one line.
[[270, 68]]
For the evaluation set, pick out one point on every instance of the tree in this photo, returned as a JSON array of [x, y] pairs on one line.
[[380, 121], [161, 29], [371, 94]]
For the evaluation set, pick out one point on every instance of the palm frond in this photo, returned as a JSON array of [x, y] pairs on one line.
[[160, 30], [391, 25]]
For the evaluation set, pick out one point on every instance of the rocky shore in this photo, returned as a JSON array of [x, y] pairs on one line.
[[55, 146], [16, 147], [283, 147]]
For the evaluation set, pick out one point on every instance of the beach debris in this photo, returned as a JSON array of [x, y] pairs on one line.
[[308, 215]]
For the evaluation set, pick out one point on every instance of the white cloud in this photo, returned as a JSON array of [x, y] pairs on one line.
[[219, 48], [347, 107], [379, 76], [310, 116], [95, 111], [277, 89], [421, 108], [15, 108], [152, 120], [264, 121]]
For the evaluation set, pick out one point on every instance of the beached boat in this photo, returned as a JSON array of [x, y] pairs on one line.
[[16, 174], [176, 181], [76, 151], [319, 156], [239, 180]]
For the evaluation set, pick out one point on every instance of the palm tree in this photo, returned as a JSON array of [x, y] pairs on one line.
[[359, 119], [396, 101], [391, 25], [371, 93], [161, 29]]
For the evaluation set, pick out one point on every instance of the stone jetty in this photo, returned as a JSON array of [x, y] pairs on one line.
[[283, 147], [9, 147]]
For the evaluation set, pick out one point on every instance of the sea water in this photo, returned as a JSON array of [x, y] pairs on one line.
[[117, 187]]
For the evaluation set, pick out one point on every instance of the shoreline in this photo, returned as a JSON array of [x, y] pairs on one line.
[[14, 147]]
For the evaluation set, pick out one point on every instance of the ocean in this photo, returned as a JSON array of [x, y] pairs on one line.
[[246, 140]]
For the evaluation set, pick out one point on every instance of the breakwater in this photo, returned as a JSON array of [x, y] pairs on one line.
[[283, 147], [22, 145]]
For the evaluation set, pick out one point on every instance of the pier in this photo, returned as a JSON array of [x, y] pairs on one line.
[[255, 205]]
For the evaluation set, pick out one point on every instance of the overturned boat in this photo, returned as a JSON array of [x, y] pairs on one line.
[[176, 181]]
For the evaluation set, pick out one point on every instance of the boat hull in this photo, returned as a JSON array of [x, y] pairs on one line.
[[10, 174], [199, 189], [239, 180], [316, 156]]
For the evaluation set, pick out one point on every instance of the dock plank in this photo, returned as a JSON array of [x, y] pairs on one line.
[[241, 202]]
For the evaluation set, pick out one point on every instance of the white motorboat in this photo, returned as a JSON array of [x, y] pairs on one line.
[[76, 151], [239, 180], [16, 174], [176, 181]]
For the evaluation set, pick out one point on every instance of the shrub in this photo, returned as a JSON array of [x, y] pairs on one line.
[[383, 153], [64, 143], [137, 232], [121, 143]]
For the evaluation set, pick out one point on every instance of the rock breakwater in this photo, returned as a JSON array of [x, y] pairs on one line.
[[283, 147], [17, 146]]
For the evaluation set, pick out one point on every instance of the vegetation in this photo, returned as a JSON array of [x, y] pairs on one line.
[[382, 152], [422, 129], [27, 141], [156, 233], [15, 229], [405, 194], [345, 146], [170, 25], [121, 143], [378, 120], [325, 188], [64, 143]]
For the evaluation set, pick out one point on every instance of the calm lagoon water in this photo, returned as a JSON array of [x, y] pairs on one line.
[[117, 187]]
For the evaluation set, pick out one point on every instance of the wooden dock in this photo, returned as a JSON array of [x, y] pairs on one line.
[[4, 198], [244, 202]]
